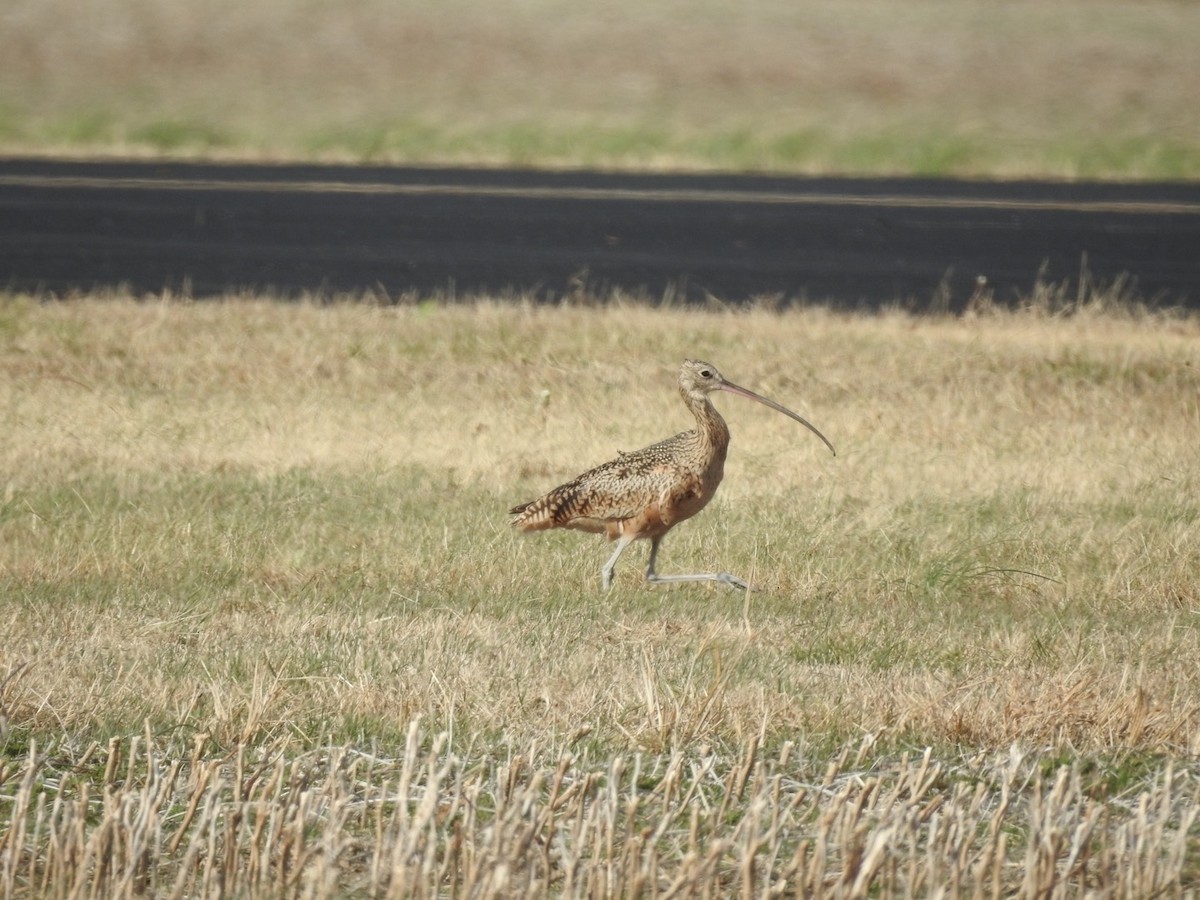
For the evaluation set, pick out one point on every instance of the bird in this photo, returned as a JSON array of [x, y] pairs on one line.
[[645, 493]]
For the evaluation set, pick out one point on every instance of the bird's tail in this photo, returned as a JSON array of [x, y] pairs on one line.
[[535, 515], [553, 510]]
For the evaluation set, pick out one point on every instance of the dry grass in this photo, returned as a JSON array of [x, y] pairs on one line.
[[1067, 89], [236, 535], [430, 823]]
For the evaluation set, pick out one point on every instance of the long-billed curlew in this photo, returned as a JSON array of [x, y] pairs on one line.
[[646, 493]]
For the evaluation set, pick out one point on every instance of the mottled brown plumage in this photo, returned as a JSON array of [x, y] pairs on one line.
[[646, 493]]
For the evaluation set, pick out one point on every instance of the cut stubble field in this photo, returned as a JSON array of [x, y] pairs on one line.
[[267, 629]]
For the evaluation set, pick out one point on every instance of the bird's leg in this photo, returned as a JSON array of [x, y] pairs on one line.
[[722, 577], [606, 573]]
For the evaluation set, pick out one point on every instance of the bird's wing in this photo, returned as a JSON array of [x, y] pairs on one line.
[[626, 488], [619, 489]]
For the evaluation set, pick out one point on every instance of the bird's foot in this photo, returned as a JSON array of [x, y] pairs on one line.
[[721, 577]]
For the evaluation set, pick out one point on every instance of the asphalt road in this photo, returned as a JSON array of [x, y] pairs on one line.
[[210, 229]]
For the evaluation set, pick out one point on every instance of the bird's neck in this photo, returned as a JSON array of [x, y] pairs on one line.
[[710, 427]]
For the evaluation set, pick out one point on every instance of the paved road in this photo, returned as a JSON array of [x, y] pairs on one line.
[[210, 229]]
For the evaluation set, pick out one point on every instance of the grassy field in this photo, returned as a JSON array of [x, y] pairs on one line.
[[266, 629], [1065, 89]]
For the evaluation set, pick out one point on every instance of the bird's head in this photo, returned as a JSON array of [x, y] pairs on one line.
[[698, 379]]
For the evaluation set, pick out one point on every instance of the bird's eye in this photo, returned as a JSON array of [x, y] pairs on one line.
[[706, 373]]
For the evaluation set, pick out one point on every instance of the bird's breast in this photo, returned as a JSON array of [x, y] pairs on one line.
[[691, 490]]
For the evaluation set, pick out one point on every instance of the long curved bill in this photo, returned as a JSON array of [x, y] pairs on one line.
[[750, 395]]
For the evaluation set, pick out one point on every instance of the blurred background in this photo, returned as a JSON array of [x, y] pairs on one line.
[[977, 88]]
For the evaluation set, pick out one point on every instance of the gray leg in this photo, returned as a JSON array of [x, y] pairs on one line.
[[606, 573], [721, 577]]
